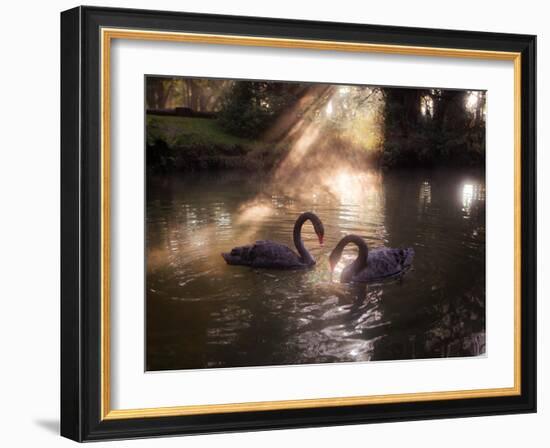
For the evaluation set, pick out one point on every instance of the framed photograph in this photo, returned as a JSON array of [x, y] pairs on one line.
[[275, 224]]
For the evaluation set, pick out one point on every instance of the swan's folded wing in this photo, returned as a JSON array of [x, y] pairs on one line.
[[385, 262], [269, 254], [238, 256]]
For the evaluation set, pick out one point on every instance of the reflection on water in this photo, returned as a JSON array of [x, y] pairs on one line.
[[204, 313]]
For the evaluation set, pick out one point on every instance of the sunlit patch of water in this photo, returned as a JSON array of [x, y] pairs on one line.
[[204, 313], [472, 194]]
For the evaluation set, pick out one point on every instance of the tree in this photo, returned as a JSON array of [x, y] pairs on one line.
[[201, 95], [158, 91], [432, 125], [250, 107]]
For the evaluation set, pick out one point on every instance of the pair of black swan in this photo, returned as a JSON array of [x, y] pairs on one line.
[[368, 266]]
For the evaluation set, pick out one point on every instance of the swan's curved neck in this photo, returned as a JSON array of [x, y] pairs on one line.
[[361, 261], [297, 234]]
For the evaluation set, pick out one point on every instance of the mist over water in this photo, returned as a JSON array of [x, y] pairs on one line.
[[202, 313]]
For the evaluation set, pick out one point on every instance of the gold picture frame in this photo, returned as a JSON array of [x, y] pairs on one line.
[[108, 30]]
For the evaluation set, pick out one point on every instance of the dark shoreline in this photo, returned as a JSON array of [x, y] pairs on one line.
[[176, 143]]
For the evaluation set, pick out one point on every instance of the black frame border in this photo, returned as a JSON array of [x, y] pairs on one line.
[[81, 223]]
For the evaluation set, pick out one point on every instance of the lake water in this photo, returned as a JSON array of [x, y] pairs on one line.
[[202, 313]]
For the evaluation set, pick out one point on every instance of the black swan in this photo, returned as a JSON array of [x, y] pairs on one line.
[[371, 265], [269, 254]]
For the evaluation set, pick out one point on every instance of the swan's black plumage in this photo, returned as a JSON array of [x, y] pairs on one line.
[[377, 264], [273, 255], [264, 254]]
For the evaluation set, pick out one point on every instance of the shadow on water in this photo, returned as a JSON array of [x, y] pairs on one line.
[[204, 313]]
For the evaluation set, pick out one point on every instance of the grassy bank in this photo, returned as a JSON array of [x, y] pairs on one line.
[[188, 143], [177, 143]]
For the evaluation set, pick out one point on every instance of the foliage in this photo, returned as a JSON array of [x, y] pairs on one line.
[[201, 95], [200, 143], [442, 132], [257, 122], [250, 107]]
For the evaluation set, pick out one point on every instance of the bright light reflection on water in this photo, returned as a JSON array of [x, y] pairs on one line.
[[204, 313]]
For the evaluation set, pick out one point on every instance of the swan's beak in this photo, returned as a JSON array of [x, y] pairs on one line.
[[321, 240]]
